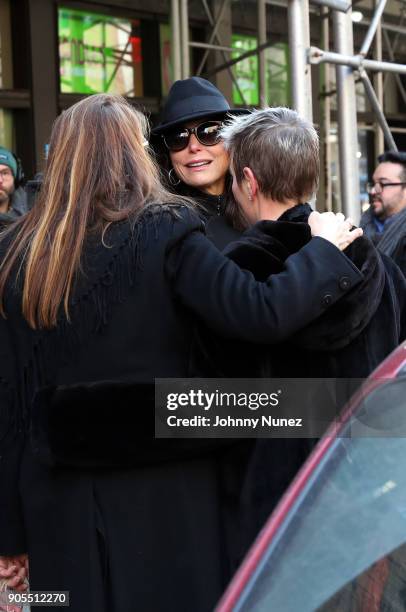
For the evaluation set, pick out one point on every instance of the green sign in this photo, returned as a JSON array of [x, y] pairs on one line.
[[99, 53], [278, 75], [6, 128], [246, 71]]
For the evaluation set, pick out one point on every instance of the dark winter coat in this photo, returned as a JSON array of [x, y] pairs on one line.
[[348, 340], [124, 522], [399, 254], [220, 213], [394, 244]]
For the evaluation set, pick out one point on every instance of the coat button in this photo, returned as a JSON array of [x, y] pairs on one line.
[[107, 279], [344, 283], [327, 300]]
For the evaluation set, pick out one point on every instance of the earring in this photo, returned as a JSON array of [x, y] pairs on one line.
[[172, 179]]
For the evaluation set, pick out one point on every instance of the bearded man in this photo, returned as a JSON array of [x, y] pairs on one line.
[[13, 200], [385, 220]]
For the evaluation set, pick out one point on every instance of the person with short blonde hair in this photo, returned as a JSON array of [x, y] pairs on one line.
[[275, 152], [274, 162]]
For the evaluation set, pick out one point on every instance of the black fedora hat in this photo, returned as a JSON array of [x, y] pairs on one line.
[[190, 99]]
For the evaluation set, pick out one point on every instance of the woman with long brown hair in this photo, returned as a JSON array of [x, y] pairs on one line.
[[98, 286]]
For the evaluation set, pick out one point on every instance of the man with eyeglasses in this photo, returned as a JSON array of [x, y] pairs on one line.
[[385, 220], [13, 200]]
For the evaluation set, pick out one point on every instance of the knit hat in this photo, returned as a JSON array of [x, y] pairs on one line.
[[8, 159]]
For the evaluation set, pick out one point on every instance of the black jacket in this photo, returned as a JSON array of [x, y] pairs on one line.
[[215, 212], [147, 530], [348, 340], [399, 255], [397, 251]]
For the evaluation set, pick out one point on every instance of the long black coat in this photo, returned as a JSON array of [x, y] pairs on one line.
[[347, 341], [148, 535]]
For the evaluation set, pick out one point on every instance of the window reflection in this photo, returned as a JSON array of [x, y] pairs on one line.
[[6, 129], [246, 72], [99, 53], [6, 67], [346, 535], [382, 587]]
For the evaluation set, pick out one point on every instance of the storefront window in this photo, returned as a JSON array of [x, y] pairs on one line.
[[6, 129], [278, 75], [166, 61], [246, 71], [6, 67], [99, 53]]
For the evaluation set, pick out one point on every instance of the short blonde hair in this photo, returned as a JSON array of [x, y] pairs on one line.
[[280, 147]]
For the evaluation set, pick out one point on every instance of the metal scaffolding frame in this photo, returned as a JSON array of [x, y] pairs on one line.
[[349, 66]]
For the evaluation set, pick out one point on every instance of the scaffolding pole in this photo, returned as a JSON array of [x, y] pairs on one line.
[[325, 122], [185, 53], [222, 51], [336, 5], [213, 36], [175, 37], [377, 108], [378, 87], [263, 98], [318, 56], [299, 43], [347, 117], [391, 54], [375, 21], [202, 45]]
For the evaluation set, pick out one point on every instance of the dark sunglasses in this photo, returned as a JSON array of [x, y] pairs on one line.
[[207, 133]]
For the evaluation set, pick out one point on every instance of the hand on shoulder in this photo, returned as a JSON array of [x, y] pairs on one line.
[[335, 228]]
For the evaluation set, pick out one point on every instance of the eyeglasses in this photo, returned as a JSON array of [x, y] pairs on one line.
[[378, 187], [207, 133]]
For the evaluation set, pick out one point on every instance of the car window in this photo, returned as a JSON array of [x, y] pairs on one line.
[[348, 527], [381, 587]]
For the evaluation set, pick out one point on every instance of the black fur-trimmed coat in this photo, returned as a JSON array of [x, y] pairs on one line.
[[348, 340], [104, 510]]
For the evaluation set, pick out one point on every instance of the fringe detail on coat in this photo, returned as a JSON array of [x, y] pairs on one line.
[[108, 274]]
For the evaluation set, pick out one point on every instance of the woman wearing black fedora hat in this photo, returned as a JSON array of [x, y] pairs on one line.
[[195, 162]]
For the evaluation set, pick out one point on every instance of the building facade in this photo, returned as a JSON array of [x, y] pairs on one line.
[[54, 52]]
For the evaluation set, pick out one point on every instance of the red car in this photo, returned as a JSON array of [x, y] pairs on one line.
[[337, 539]]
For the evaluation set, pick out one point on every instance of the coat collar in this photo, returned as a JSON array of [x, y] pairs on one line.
[[263, 250]]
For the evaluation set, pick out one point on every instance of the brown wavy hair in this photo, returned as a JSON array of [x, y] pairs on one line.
[[98, 172]]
